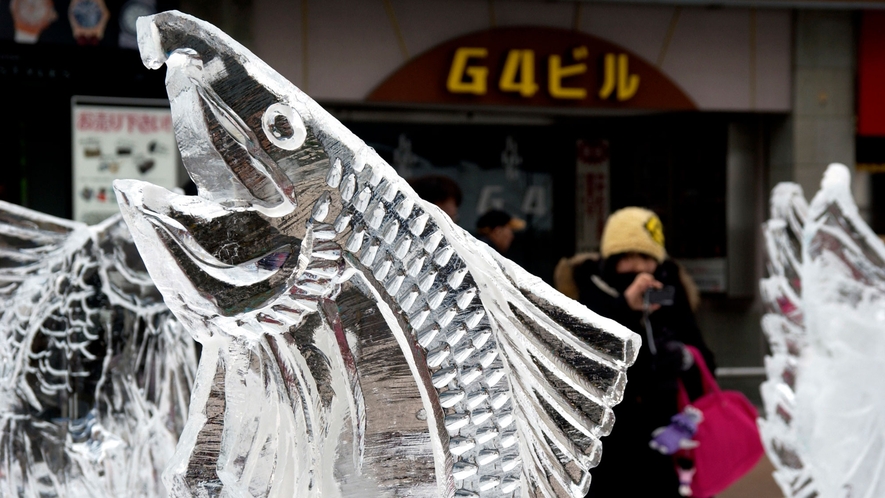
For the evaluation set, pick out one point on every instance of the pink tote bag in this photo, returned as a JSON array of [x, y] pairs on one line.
[[729, 442]]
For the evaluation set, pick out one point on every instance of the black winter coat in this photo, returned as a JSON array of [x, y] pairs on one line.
[[629, 467]]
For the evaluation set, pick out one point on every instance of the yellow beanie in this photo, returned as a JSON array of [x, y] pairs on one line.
[[633, 229]]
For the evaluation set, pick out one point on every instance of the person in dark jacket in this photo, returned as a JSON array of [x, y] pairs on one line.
[[497, 229], [613, 284]]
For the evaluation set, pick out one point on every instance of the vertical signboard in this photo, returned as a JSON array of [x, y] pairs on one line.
[[592, 193], [112, 141]]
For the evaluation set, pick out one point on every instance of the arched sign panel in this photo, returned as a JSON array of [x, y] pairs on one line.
[[532, 66]]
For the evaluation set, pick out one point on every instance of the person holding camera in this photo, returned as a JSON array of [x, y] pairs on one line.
[[633, 282]]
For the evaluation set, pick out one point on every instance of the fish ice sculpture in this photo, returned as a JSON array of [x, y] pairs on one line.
[[356, 342], [95, 372], [824, 426]]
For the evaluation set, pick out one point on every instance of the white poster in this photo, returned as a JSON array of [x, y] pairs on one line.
[[709, 274], [118, 141], [592, 193]]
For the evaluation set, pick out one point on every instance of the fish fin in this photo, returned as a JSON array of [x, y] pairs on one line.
[[27, 237], [568, 369]]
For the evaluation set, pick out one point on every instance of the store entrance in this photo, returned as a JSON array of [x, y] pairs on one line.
[[672, 163]]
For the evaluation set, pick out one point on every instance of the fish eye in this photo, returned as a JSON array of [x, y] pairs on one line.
[[283, 126]]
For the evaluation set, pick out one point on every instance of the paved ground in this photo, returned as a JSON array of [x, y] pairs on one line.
[[756, 484]]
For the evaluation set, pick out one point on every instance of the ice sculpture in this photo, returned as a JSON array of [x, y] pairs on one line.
[[355, 341], [825, 418], [95, 372]]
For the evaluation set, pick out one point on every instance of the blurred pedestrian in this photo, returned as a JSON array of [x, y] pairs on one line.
[[633, 262], [440, 190], [497, 229]]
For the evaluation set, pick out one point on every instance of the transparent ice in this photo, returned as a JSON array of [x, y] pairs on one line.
[[95, 372], [356, 342], [824, 428]]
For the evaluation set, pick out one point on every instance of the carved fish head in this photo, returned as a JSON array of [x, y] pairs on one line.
[[260, 163]]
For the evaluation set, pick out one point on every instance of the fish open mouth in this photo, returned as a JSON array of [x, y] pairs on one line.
[[188, 228]]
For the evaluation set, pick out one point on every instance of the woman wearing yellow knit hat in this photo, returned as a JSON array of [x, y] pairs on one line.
[[619, 284]]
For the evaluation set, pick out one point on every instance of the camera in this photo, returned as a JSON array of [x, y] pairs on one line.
[[663, 296]]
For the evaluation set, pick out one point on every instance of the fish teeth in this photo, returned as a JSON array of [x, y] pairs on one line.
[[359, 161], [326, 250], [443, 256], [333, 178], [436, 357], [499, 399], [323, 271], [395, 283], [418, 320], [456, 277], [487, 483], [388, 191], [376, 177], [436, 299], [433, 241], [375, 216], [415, 266], [510, 462], [409, 299], [362, 200], [416, 226], [369, 254], [426, 336], [493, 376], [342, 222], [402, 247], [382, 268], [487, 456], [481, 337], [456, 335], [509, 484], [470, 374], [477, 397], [446, 317], [324, 231], [390, 232], [404, 208], [462, 470], [463, 352], [480, 415], [456, 421], [451, 398], [427, 281], [504, 420], [442, 377], [465, 298], [321, 207], [348, 187], [459, 445], [508, 439], [486, 434], [355, 241], [487, 357], [475, 317]]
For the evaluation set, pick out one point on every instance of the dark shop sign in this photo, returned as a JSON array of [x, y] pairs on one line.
[[532, 66]]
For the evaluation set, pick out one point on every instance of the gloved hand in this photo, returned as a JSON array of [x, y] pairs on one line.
[[672, 356], [677, 436]]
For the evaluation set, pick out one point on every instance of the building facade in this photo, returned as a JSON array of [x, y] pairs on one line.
[[557, 112]]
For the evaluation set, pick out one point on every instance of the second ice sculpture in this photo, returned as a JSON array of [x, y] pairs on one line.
[[95, 372], [356, 342], [825, 419]]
